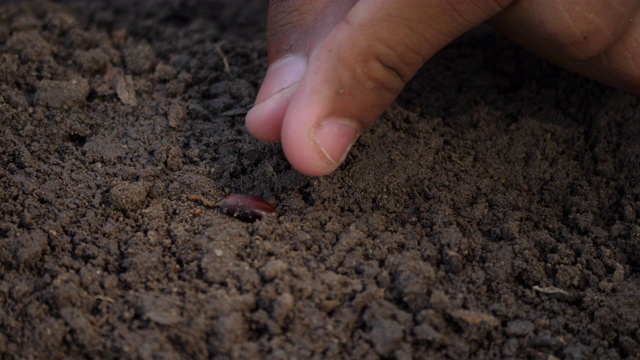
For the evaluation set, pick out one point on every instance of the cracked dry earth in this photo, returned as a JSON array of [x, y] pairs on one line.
[[492, 212]]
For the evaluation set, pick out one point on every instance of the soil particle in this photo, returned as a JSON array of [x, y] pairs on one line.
[[412, 281], [228, 331], [29, 250], [129, 196], [386, 336], [92, 61], [119, 83], [176, 115], [161, 309], [272, 269], [545, 342], [83, 331], [282, 308], [61, 94], [387, 326], [576, 352], [519, 328], [29, 45], [138, 57]]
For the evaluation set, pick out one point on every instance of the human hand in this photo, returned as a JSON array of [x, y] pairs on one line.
[[336, 65]]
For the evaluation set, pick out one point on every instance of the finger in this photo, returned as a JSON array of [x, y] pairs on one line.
[[294, 29], [296, 26], [361, 67], [621, 60], [597, 39]]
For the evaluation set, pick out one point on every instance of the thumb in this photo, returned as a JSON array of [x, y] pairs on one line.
[[360, 68]]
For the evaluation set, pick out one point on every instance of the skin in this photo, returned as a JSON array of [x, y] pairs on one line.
[[336, 65]]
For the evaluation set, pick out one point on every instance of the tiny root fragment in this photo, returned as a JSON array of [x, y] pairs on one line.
[[201, 200]]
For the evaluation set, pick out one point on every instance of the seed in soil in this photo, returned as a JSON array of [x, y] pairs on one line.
[[246, 207]]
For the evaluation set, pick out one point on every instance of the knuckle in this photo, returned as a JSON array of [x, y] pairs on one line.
[[386, 69], [469, 11], [284, 17], [294, 18], [385, 65]]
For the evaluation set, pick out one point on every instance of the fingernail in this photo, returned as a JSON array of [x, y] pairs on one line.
[[281, 75], [335, 136]]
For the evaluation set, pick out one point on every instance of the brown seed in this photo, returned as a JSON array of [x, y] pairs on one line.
[[246, 207]]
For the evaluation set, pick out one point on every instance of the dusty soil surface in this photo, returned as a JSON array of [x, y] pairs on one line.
[[493, 211]]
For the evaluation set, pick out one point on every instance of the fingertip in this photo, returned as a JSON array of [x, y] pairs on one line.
[[264, 120], [305, 157], [282, 74], [318, 147], [334, 137]]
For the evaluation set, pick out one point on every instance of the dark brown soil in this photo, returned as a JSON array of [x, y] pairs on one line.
[[493, 211]]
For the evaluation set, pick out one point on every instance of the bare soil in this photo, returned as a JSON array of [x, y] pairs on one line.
[[492, 212]]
